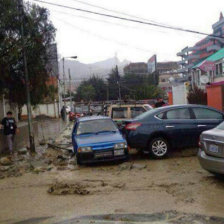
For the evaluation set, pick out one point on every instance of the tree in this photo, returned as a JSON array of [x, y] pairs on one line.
[[98, 85], [113, 84], [86, 92], [197, 96], [39, 35]]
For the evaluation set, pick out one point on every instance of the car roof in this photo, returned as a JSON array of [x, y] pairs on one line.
[[185, 106], [92, 118]]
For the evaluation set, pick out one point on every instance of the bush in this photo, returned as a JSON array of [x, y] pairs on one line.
[[197, 96]]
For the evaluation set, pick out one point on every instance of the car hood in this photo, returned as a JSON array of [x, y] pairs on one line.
[[102, 139]]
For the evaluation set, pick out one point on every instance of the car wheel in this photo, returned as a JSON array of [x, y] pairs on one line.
[[159, 148]]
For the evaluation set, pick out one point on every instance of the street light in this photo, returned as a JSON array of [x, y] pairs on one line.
[[71, 57]]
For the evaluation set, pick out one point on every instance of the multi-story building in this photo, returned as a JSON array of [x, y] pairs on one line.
[[136, 68], [190, 56]]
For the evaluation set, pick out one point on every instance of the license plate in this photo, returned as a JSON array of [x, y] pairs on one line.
[[103, 154], [214, 148], [118, 152]]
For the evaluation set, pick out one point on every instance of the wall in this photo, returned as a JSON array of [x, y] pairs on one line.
[[215, 97], [21, 139], [50, 110], [179, 94]]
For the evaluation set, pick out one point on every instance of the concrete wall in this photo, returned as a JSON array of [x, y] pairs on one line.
[[50, 110], [179, 94], [21, 139]]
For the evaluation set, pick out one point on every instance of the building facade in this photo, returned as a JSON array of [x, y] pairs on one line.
[[190, 56]]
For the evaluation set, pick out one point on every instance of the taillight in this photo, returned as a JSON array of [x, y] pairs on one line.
[[132, 126]]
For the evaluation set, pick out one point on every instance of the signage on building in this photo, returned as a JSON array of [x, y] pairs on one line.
[[207, 66], [152, 64]]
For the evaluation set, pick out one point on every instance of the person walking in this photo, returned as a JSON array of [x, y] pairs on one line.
[[10, 129]]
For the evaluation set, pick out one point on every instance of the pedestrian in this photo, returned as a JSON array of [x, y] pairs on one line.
[[10, 129], [159, 103]]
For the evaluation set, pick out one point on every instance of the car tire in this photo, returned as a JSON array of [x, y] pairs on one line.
[[159, 148]]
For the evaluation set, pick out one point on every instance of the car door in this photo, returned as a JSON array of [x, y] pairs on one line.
[[206, 118], [180, 127]]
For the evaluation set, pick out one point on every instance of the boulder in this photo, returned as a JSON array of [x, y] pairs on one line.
[[5, 161]]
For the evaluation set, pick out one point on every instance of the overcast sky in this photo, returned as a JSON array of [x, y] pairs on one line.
[[93, 38]]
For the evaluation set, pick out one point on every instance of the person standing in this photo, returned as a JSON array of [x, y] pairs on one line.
[[159, 103], [9, 128]]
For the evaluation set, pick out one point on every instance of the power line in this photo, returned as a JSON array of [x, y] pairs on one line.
[[115, 11], [103, 21], [130, 20], [104, 38]]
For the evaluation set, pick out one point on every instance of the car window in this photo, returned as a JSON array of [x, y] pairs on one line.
[[221, 126], [204, 113], [135, 111], [94, 126], [161, 115], [182, 113], [120, 112]]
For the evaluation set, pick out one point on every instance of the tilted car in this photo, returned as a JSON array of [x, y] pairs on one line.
[[96, 139], [211, 152], [159, 130]]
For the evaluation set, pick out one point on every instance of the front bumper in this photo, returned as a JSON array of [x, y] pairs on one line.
[[100, 156], [211, 163]]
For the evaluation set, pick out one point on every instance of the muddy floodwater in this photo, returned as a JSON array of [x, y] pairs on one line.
[[140, 186]]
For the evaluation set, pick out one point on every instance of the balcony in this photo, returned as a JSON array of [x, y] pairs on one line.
[[193, 56], [182, 70], [213, 48], [193, 48], [181, 54], [183, 62], [221, 40]]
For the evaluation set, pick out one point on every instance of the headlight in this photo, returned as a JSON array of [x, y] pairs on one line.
[[85, 149], [121, 145]]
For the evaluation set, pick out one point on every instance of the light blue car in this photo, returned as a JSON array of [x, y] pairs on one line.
[[97, 139]]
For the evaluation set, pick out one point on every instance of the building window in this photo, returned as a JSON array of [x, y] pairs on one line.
[[219, 69]]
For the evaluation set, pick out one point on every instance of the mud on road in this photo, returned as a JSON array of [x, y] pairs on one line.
[[55, 187]]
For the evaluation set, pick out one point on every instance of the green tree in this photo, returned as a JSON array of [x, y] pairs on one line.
[[99, 86], [85, 92], [39, 35], [113, 84]]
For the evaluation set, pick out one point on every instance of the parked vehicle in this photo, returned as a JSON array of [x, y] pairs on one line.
[[97, 138], [122, 112], [211, 152], [159, 130]]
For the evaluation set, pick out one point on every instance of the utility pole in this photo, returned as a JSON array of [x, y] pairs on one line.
[[70, 87], [29, 111], [64, 80]]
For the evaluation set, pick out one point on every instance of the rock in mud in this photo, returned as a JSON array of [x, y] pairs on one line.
[[64, 189], [138, 166], [5, 161], [22, 151], [4, 168]]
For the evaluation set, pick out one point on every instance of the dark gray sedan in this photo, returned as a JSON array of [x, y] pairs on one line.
[[211, 152]]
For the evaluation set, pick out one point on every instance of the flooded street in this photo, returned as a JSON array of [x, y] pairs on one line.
[[140, 186]]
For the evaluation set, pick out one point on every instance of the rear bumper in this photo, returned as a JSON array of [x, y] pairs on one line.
[[211, 163], [89, 158]]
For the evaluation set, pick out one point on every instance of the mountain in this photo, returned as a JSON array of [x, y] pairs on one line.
[[81, 71]]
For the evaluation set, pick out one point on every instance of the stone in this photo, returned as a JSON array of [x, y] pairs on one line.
[[22, 151], [138, 166], [4, 168], [5, 161]]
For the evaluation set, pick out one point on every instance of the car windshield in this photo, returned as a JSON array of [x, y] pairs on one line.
[[221, 126], [96, 126]]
